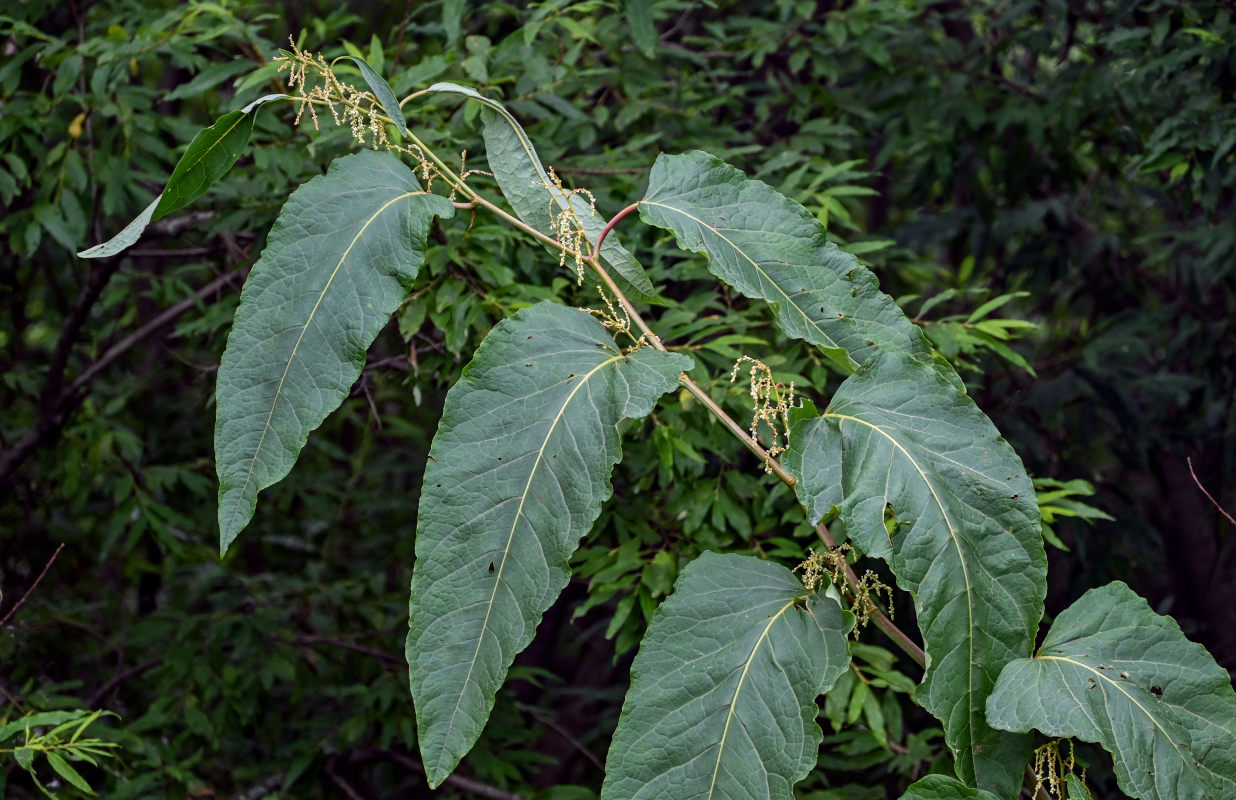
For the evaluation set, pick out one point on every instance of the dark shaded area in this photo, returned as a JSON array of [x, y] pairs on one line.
[[1082, 153]]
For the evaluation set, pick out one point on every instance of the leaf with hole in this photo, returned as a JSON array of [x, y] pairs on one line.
[[905, 438]]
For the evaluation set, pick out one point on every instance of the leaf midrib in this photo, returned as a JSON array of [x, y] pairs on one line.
[[1186, 757], [746, 668], [190, 167], [296, 347], [583, 381], [706, 227], [961, 559]]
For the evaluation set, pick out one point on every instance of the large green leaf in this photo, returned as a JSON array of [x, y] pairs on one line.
[[769, 247], [1114, 672], [527, 187], [209, 156], [339, 260], [722, 699], [966, 544], [517, 474], [943, 787]]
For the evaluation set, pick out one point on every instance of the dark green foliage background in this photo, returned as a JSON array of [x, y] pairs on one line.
[[1084, 153]]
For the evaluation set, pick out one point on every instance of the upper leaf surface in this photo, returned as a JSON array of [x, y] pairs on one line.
[[1114, 672], [722, 698], [769, 247], [340, 258], [943, 787], [528, 188], [209, 156], [517, 474], [967, 544]]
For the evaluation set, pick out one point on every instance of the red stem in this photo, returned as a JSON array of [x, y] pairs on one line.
[[609, 226]]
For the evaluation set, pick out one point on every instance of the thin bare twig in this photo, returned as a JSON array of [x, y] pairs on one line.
[[553, 725], [33, 586], [475, 787], [56, 406], [380, 655], [1208, 495], [124, 345], [132, 672], [343, 785]]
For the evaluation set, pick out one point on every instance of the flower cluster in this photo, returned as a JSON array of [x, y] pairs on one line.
[[830, 563], [317, 84], [617, 321], [772, 404], [567, 227]]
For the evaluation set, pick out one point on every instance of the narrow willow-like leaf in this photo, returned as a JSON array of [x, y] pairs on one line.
[[210, 155], [966, 545], [722, 698], [517, 474], [382, 91], [943, 787], [527, 187], [769, 247], [1114, 672], [339, 260]]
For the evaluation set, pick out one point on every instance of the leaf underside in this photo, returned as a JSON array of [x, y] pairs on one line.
[[517, 474], [526, 185], [769, 247], [722, 699], [1114, 672], [967, 546], [339, 260], [210, 154]]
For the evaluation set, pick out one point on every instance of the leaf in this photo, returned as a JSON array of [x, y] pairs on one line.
[[1114, 672], [643, 31], [127, 236], [67, 772], [24, 756], [526, 186], [339, 260], [769, 247], [944, 787], [722, 699], [517, 475], [39, 719], [900, 434], [208, 158], [382, 90], [993, 304]]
